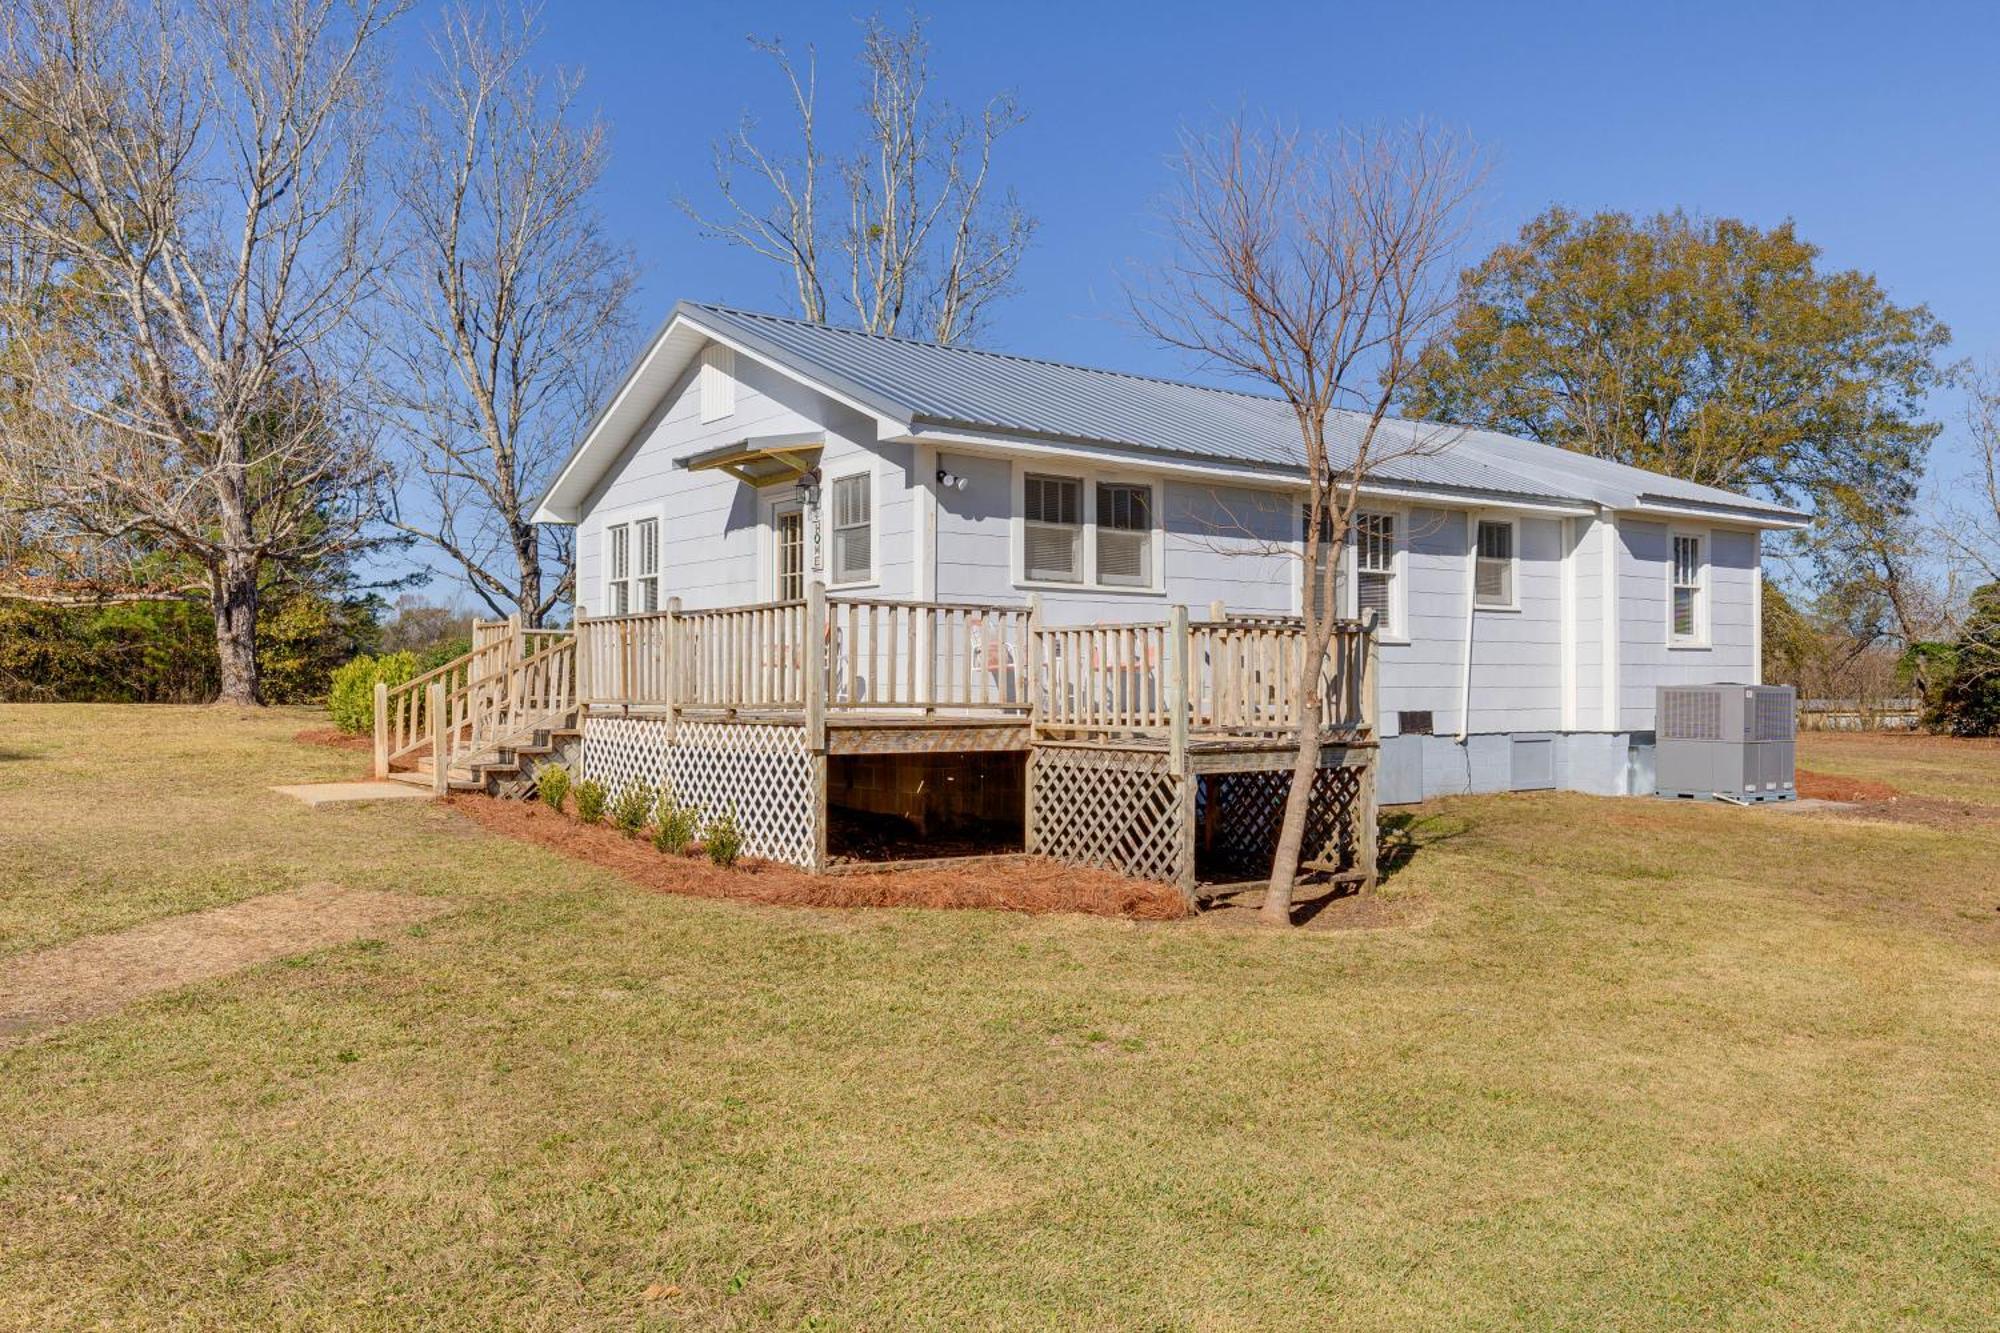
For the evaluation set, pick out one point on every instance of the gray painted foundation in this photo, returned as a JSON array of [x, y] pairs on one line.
[[1416, 768]]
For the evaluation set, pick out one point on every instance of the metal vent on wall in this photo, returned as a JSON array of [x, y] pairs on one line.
[[1414, 723], [1690, 715], [1776, 718]]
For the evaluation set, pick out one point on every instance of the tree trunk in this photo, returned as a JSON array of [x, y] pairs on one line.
[[528, 556], [1277, 910], [235, 604]]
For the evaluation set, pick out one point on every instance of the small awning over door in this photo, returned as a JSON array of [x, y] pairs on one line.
[[760, 460]]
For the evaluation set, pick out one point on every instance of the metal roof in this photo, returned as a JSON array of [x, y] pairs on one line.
[[996, 391], [924, 385]]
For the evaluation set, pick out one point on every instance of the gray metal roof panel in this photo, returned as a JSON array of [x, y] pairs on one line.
[[1001, 392]]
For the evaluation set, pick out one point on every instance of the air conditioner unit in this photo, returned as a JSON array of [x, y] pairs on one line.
[[1726, 743]]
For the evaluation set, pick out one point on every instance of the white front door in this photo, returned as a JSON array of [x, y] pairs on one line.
[[788, 530]]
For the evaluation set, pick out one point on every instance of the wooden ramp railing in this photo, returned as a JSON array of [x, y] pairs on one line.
[[1165, 681], [513, 682]]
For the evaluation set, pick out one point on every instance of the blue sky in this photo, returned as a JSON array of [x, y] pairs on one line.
[[1876, 128]]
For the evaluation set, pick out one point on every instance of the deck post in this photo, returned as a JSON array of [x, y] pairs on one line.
[[1177, 689], [1367, 816], [381, 730], [1217, 611], [1032, 669], [672, 651], [582, 631], [815, 671], [440, 760]]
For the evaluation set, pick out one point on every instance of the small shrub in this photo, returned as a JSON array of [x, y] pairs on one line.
[[724, 840], [350, 695], [631, 809], [674, 826], [552, 784], [445, 650], [590, 800]]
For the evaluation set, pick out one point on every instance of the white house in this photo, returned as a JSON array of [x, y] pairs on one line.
[[1532, 598]]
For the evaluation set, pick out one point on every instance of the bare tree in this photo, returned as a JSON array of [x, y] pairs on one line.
[[510, 305], [1969, 530], [1315, 267], [926, 248], [214, 153]]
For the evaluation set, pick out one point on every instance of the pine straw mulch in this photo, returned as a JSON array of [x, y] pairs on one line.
[[1012, 884], [1868, 799], [333, 738]]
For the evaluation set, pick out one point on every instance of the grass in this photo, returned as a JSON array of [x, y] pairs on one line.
[[1643, 1066]]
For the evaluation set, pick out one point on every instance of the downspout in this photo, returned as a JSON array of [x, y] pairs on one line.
[[1471, 606]]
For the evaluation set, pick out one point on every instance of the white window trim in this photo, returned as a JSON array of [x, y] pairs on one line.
[[1088, 479], [715, 383], [1704, 601], [630, 516], [860, 466], [1476, 518], [1397, 631]]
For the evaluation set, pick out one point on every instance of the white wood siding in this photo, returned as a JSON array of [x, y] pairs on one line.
[[1645, 659]]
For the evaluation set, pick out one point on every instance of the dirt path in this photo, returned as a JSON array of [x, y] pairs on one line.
[[104, 973]]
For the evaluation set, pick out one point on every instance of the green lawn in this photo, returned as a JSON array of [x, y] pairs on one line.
[[1636, 1065]]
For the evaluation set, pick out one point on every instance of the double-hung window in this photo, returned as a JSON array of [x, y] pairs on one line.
[[1493, 565], [853, 530], [1324, 576], [1125, 534], [1690, 581], [1052, 529], [1375, 568], [632, 562]]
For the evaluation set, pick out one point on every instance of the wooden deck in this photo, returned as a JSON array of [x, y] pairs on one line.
[[1135, 733]]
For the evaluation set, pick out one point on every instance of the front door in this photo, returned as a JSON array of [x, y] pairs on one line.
[[789, 527]]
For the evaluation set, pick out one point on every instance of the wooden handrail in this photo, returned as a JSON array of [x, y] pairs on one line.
[[1171, 681]]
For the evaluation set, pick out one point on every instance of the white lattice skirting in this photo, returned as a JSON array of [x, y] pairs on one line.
[[1125, 810], [761, 770]]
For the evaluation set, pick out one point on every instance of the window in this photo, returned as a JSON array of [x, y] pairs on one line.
[[717, 383], [1689, 578], [619, 567], [646, 569], [1326, 565], [790, 531], [1493, 566], [853, 530], [1125, 535], [1375, 568], [1052, 529], [633, 584]]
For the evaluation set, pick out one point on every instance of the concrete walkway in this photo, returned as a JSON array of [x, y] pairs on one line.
[[346, 793], [103, 973]]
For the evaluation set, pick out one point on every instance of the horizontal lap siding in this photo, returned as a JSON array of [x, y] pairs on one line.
[[712, 534], [1646, 662], [1517, 655]]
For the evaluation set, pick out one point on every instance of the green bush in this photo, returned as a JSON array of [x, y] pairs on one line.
[[590, 800], [552, 785], [631, 809], [435, 656], [724, 840], [674, 826], [350, 698]]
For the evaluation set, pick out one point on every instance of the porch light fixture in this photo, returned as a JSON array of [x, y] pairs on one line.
[[950, 481], [807, 489]]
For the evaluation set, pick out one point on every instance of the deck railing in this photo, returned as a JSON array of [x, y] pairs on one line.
[[1224, 676], [512, 681]]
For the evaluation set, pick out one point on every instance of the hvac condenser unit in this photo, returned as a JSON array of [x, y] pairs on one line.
[[1726, 742]]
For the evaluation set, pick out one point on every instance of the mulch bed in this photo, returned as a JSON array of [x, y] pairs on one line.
[[333, 738], [1832, 787], [1012, 884]]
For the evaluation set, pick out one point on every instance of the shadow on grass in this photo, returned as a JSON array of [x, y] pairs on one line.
[[1404, 833], [16, 756]]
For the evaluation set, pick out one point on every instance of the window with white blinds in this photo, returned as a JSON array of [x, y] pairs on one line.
[[1689, 580], [853, 530], [646, 565], [618, 567], [1493, 565], [1125, 535], [1375, 568], [1052, 529]]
